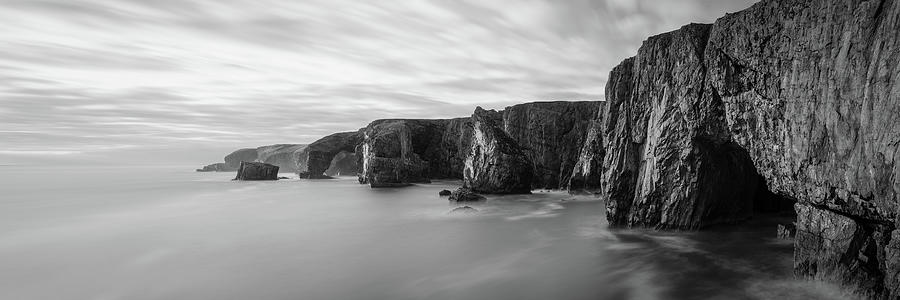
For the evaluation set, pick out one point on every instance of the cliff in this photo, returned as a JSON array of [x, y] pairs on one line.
[[801, 93], [233, 160], [281, 155], [552, 135], [400, 152], [320, 154], [496, 164]]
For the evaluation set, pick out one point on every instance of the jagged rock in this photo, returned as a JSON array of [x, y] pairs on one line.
[[551, 135], [786, 231], [217, 167], [586, 175], [496, 164], [445, 193], [400, 152], [319, 155], [281, 155], [806, 90], [234, 159], [465, 210], [464, 194], [256, 171], [669, 162]]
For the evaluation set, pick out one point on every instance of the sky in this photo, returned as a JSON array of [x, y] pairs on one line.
[[189, 80]]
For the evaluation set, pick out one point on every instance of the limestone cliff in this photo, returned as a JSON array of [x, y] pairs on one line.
[[802, 93]]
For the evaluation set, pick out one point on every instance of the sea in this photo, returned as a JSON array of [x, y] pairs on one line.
[[167, 232]]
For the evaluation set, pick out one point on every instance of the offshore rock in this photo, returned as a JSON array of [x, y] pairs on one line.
[[551, 135], [465, 194], [256, 171], [401, 152], [496, 164]]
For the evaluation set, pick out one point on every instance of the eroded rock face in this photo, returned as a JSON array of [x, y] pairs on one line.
[[496, 164], [551, 135], [803, 89], [256, 171], [669, 162], [344, 164], [401, 152], [321, 153]]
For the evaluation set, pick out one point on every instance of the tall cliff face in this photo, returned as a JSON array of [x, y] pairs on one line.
[[670, 163], [320, 154], [802, 93], [400, 152], [810, 90], [496, 164], [552, 135]]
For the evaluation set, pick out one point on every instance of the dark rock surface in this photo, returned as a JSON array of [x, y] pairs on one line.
[[445, 193], [233, 160], [786, 231], [320, 154], [399, 152], [551, 135], [465, 194], [588, 170], [465, 210], [496, 164], [803, 90], [256, 171]]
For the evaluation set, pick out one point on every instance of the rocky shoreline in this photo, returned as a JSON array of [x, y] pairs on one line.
[[787, 105]]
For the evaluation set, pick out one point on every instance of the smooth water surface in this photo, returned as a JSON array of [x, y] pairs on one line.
[[169, 233]]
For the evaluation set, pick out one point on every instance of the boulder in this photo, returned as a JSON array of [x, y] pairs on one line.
[[445, 193], [256, 171], [464, 194]]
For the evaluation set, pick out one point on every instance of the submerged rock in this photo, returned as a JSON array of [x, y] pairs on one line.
[[445, 193], [256, 171], [464, 194], [465, 210], [496, 164]]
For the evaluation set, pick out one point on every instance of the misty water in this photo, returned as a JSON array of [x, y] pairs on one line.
[[169, 233]]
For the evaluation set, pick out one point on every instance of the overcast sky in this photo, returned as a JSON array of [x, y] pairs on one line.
[[94, 77]]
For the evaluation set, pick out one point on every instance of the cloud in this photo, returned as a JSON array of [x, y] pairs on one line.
[[179, 73]]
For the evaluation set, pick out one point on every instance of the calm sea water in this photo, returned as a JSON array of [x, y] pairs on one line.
[[170, 233]]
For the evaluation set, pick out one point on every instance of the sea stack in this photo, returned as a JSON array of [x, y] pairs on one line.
[[256, 171]]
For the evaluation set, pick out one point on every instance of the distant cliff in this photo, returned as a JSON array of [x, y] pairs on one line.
[[281, 155], [797, 97]]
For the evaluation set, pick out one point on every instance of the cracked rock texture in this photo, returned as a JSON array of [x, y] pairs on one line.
[[552, 135], [803, 89], [496, 164], [256, 171], [320, 154], [401, 152]]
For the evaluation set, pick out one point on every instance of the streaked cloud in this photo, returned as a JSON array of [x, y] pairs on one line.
[[179, 74]]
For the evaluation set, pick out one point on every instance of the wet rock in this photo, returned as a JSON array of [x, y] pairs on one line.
[[466, 195], [445, 193], [400, 152], [496, 164], [552, 135], [465, 210], [282, 178], [256, 171], [786, 231]]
